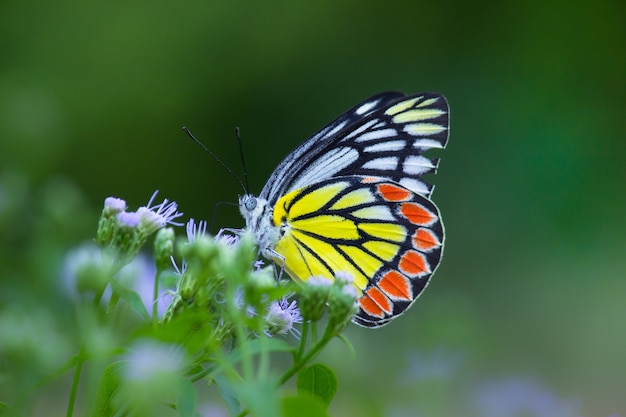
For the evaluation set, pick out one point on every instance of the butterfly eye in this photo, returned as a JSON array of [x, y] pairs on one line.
[[250, 204]]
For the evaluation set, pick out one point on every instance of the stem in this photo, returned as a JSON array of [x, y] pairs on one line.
[[305, 333], [155, 296], [306, 358], [197, 377], [77, 371]]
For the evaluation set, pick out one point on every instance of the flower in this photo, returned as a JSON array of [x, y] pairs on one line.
[[128, 231], [87, 271], [147, 360], [114, 205], [129, 219], [166, 211], [195, 230], [155, 217], [281, 316], [224, 236], [150, 372]]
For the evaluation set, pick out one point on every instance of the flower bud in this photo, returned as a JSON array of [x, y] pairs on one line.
[[313, 298], [281, 316], [108, 222], [164, 248], [342, 302]]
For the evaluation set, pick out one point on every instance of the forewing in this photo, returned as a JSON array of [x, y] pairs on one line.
[[308, 151], [384, 136], [386, 236]]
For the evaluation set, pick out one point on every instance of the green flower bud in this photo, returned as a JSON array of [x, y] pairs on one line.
[[107, 224], [313, 298], [90, 269], [163, 248], [128, 240], [342, 302]]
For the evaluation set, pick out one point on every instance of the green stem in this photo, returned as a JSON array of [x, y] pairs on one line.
[[77, 371], [299, 364], [305, 334], [155, 296]]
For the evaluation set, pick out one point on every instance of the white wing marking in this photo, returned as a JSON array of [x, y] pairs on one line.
[[377, 134], [389, 163], [334, 161], [417, 165], [392, 145]]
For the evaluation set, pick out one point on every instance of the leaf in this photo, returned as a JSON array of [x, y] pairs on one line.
[[229, 395], [319, 380], [107, 387], [303, 406], [187, 399], [261, 397], [3, 408], [131, 297]]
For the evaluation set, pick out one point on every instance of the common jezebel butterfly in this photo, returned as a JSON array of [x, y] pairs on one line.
[[352, 198]]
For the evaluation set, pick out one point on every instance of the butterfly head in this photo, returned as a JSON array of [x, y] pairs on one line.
[[258, 215]]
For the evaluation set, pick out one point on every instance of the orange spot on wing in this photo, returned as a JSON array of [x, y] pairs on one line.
[[369, 180], [380, 299], [370, 307], [413, 264], [396, 285], [424, 239], [417, 214], [392, 192]]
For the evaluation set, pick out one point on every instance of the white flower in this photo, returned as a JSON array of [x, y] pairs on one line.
[[129, 219], [319, 281], [157, 216], [281, 316], [114, 205], [195, 230], [148, 360], [344, 278]]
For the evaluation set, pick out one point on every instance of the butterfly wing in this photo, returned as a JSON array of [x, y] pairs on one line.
[[314, 146], [383, 136], [388, 237]]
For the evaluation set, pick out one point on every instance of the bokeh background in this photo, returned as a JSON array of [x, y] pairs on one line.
[[527, 313]]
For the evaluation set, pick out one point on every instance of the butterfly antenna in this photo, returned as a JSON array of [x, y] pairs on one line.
[[219, 161], [219, 203], [243, 161]]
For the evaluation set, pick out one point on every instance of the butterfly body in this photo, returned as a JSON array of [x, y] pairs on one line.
[[352, 199]]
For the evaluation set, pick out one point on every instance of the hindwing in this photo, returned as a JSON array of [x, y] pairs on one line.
[[387, 236]]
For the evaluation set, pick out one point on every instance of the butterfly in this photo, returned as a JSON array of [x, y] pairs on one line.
[[352, 198]]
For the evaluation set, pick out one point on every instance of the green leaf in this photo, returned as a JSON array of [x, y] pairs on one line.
[[319, 380], [303, 406], [3, 408], [131, 297], [107, 387], [229, 395], [261, 397], [187, 399]]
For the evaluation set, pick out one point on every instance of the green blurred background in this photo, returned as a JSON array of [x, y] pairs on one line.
[[528, 308]]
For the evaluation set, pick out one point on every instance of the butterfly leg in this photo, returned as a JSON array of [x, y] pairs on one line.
[[236, 232], [278, 260]]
